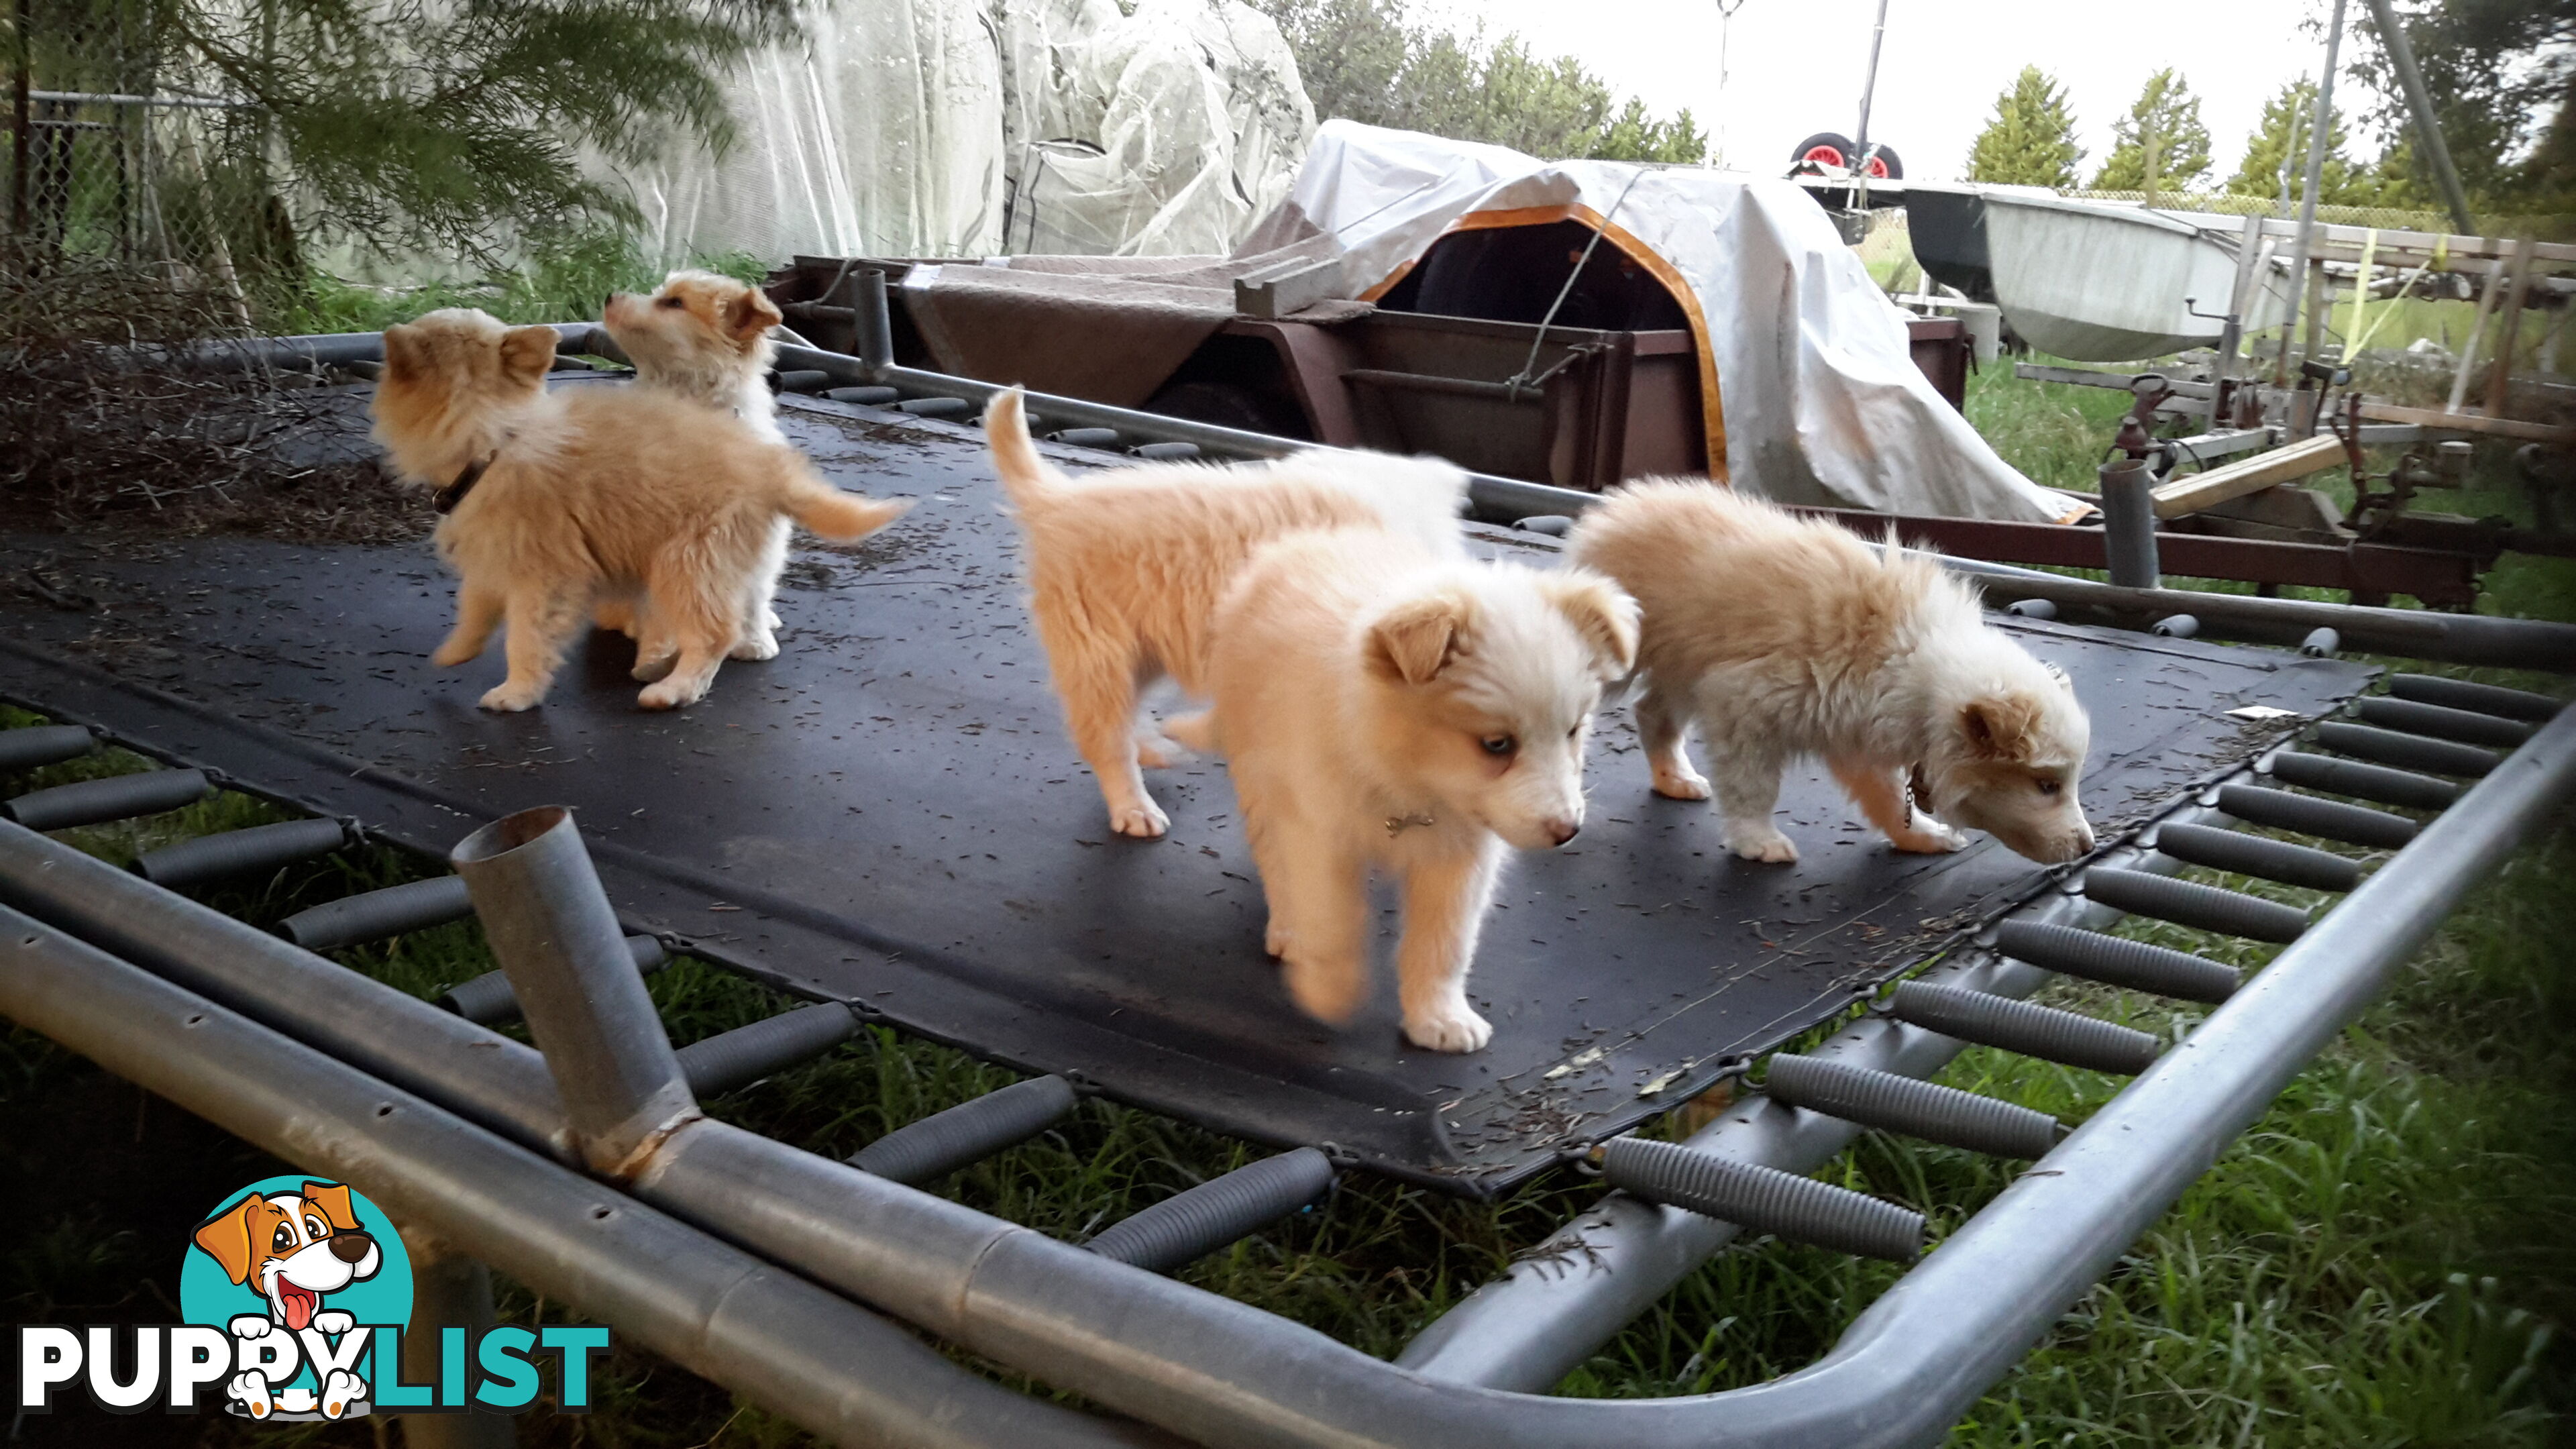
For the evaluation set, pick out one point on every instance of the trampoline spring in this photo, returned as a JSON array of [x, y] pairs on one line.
[[1189, 1225], [2232, 850], [936, 407], [1762, 1199], [118, 797], [2132, 965], [374, 915], [2442, 722], [488, 1000], [2412, 752], [2483, 698], [1164, 452], [2044, 1032], [1554, 525], [2176, 626], [801, 379], [2330, 819], [746, 1054], [2367, 782], [2322, 643], [967, 1133], [40, 745], [1085, 437], [2032, 608], [240, 852], [2207, 908], [1911, 1108], [874, 397]]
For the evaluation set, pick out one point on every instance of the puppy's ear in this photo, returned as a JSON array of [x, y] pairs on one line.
[[527, 353], [333, 1199], [226, 1237], [1601, 612], [1416, 639], [403, 352], [751, 314], [2000, 726]]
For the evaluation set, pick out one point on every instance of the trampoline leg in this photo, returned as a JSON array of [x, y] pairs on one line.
[[447, 1290]]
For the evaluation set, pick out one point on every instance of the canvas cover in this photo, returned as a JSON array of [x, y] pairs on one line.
[[973, 127], [1810, 393]]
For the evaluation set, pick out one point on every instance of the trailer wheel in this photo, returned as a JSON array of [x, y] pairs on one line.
[[1883, 165], [1825, 148]]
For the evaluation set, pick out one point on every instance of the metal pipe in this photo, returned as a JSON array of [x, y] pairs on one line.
[[2129, 523], [780, 1342], [2319, 130], [2240, 304], [553, 931], [2428, 126], [447, 1289]]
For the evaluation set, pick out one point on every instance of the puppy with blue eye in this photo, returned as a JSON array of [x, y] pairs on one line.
[[1384, 706]]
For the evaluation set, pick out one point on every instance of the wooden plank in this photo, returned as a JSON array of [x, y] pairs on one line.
[[2253, 475], [2437, 419], [2500, 381]]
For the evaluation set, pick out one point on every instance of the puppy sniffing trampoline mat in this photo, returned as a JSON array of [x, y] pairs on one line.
[[888, 815]]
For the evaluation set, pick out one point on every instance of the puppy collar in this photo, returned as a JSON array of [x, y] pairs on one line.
[[1398, 824], [446, 499]]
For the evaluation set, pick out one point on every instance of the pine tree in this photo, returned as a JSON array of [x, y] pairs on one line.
[[2031, 140], [2166, 114], [455, 127], [2281, 140]]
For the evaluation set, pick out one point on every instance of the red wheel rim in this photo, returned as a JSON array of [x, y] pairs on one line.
[[1878, 167], [1827, 155]]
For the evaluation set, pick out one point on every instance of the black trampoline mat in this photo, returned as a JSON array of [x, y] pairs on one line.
[[888, 814]]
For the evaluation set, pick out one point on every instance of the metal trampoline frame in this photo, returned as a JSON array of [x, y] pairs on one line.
[[589, 1173]]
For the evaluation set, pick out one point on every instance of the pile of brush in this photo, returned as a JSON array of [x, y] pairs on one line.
[[104, 421]]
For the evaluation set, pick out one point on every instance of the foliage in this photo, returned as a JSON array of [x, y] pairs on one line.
[[2281, 140], [2166, 115], [460, 127], [2031, 139], [1368, 61], [2492, 67]]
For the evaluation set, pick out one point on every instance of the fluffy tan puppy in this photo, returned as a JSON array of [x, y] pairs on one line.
[[554, 501], [1783, 637], [1383, 705], [1126, 566], [705, 338]]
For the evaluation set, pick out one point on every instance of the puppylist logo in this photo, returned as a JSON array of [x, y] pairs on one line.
[[298, 1300]]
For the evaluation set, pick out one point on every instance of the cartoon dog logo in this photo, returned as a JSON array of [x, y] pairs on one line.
[[292, 1249]]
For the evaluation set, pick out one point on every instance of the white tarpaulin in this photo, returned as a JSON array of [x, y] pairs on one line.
[[972, 127], [1810, 393]]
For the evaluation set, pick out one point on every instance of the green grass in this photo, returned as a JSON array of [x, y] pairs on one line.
[[2387, 1258], [562, 286]]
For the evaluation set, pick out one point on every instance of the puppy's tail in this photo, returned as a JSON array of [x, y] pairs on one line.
[[840, 516], [1025, 476]]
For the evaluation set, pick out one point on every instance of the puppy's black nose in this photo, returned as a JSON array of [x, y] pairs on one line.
[[1562, 831], [350, 1247]]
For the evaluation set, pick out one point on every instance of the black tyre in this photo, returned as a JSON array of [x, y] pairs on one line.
[[1883, 165], [1825, 148]]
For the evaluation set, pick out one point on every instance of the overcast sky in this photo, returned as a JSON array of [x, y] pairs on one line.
[[1795, 66]]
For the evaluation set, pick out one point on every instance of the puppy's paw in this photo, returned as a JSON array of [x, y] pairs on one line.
[[1762, 842], [333, 1321], [1328, 991], [1194, 731], [673, 692], [512, 698], [1154, 752], [1927, 836], [340, 1391], [249, 1388], [454, 652], [1275, 939], [1451, 1026], [769, 620], [1682, 784], [650, 667], [1145, 820], [763, 645], [249, 1325]]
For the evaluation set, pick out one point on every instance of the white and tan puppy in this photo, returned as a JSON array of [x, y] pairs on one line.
[[556, 501], [1126, 567], [705, 338], [1383, 705], [1783, 638]]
